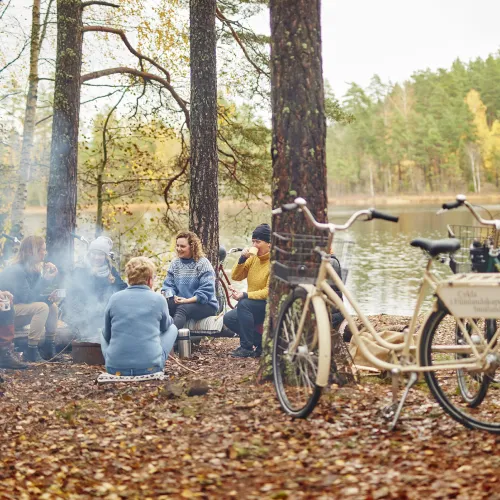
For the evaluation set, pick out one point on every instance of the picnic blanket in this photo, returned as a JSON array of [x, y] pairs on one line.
[[107, 377]]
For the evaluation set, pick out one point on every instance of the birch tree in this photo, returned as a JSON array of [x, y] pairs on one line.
[[38, 31]]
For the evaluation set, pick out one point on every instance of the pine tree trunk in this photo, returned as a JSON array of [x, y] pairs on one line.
[[19, 203], [204, 193], [299, 124], [62, 189]]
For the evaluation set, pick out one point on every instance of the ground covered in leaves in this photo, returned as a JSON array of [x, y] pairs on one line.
[[214, 433]]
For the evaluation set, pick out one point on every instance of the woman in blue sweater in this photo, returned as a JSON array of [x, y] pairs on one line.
[[190, 283], [138, 331]]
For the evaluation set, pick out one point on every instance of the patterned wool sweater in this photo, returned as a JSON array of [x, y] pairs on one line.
[[189, 278], [256, 270]]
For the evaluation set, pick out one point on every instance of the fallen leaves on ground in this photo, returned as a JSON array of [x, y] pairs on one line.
[[216, 433]]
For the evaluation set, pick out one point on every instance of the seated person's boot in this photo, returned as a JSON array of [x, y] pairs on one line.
[[32, 354], [48, 349], [8, 360]]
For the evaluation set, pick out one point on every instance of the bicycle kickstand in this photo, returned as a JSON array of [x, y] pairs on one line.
[[411, 382]]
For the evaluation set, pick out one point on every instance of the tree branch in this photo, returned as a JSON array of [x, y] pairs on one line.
[[5, 9], [140, 74], [98, 2], [45, 23], [43, 119], [173, 179], [16, 58], [121, 34], [227, 22]]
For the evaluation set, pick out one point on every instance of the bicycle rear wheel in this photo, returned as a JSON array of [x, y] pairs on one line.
[[473, 386], [439, 345], [295, 375]]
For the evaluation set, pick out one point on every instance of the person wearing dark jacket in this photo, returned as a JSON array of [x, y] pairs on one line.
[[92, 284], [27, 278]]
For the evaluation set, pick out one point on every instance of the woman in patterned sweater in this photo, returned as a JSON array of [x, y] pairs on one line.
[[190, 283], [254, 265]]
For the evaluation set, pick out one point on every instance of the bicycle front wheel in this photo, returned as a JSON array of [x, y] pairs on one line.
[[440, 345], [295, 373]]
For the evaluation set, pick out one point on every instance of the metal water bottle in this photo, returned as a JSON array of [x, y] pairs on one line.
[[184, 343]]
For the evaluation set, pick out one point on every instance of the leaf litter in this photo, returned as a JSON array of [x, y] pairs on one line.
[[216, 433]]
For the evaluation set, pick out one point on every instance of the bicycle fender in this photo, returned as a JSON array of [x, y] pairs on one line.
[[324, 339]]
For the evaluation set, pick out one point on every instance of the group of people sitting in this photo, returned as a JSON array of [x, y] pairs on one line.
[[137, 327]]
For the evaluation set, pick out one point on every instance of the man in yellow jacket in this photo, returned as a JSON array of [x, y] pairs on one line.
[[254, 266]]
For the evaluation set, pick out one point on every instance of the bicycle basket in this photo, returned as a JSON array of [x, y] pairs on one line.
[[474, 248], [295, 259], [342, 249]]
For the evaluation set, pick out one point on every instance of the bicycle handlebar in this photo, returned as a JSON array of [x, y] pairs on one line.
[[462, 200], [381, 215], [301, 204], [11, 238], [451, 205]]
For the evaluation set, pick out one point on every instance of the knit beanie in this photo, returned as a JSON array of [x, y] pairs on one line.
[[101, 244], [262, 232]]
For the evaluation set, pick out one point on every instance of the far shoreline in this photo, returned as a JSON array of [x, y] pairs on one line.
[[351, 200]]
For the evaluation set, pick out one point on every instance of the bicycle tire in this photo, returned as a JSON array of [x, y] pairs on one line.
[[440, 326], [473, 386], [288, 374], [221, 295]]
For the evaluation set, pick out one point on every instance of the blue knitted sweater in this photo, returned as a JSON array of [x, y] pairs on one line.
[[189, 278], [134, 320]]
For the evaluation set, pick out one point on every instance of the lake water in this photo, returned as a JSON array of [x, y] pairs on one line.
[[384, 271]]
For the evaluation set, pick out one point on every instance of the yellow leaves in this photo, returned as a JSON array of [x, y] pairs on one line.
[[191, 494], [488, 137]]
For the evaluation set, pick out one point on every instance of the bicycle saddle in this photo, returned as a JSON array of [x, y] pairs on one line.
[[435, 247]]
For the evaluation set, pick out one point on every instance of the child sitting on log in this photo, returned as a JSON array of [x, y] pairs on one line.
[[138, 330]]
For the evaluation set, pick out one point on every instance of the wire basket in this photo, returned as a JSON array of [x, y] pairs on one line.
[[475, 243], [342, 249], [295, 259]]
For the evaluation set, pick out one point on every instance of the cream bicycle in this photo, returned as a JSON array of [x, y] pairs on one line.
[[302, 338]]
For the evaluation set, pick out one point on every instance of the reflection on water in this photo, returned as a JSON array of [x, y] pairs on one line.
[[385, 271]]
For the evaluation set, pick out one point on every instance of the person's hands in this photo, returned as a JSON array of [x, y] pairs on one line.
[[49, 271], [180, 300], [237, 295], [6, 296], [53, 297], [246, 253]]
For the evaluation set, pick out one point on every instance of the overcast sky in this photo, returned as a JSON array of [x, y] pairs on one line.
[[394, 38]]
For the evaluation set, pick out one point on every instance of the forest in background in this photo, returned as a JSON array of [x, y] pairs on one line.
[[437, 132]]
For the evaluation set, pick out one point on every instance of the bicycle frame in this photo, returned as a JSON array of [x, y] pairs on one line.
[[223, 276], [406, 349]]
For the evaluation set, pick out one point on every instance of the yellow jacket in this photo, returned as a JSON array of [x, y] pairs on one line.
[[256, 270]]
